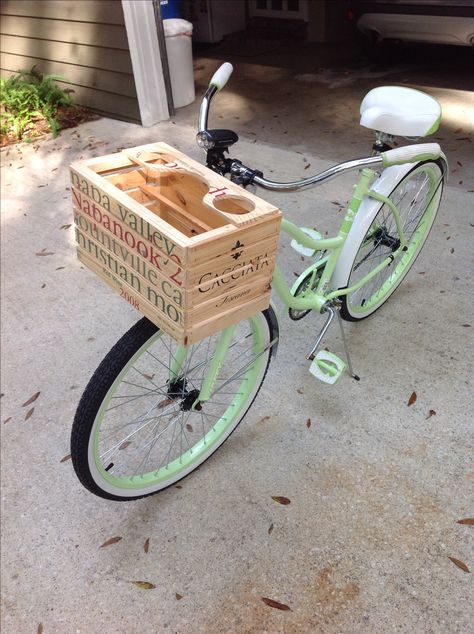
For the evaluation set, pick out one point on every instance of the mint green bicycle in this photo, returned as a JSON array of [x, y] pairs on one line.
[[154, 411]]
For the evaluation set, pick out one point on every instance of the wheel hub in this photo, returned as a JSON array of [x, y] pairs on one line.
[[177, 389], [381, 236]]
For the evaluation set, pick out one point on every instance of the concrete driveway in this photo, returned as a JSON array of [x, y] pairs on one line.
[[377, 487]]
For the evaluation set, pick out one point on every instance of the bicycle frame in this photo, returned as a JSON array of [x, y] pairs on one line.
[[319, 299], [314, 299]]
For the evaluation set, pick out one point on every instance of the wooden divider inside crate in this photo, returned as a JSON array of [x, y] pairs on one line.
[[233, 203]]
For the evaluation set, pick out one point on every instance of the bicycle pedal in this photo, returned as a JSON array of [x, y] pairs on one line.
[[327, 367], [306, 251]]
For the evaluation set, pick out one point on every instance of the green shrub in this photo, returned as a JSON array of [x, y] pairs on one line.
[[28, 95]]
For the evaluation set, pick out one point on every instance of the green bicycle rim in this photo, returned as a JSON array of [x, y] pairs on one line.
[[183, 464], [414, 245]]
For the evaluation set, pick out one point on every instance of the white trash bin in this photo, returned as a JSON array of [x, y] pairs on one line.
[[178, 36]]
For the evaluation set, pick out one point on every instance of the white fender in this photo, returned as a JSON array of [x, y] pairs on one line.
[[369, 208]]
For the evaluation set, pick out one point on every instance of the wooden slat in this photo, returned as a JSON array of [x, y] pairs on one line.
[[78, 54], [228, 264], [193, 220], [171, 267], [103, 80], [109, 35], [107, 11], [234, 315], [194, 332], [145, 307], [106, 103], [221, 282]]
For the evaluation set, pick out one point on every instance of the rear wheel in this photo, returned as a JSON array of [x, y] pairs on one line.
[[417, 197], [135, 431]]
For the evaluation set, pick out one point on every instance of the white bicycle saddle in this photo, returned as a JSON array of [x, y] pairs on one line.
[[400, 111]]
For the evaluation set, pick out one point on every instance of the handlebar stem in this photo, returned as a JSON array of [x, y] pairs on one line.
[[204, 109]]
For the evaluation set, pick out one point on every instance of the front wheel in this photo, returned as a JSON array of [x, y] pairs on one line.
[[136, 432], [416, 196]]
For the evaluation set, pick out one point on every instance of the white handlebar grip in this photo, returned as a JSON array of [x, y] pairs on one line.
[[221, 76], [411, 154]]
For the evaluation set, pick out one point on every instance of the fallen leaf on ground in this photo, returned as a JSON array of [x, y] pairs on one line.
[[412, 399], [263, 419], [109, 542], [68, 457], [459, 564], [65, 226], [40, 628], [307, 166], [431, 413], [189, 427], [43, 285], [270, 529], [146, 545], [29, 413], [281, 499], [144, 585], [149, 376], [275, 604], [308, 423], [7, 419], [467, 520], [32, 399], [300, 391], [60, 267], [178, 596], [125, 444], [466, 325], [44, 252]]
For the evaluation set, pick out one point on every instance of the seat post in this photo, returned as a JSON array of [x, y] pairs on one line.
[[382, 142]]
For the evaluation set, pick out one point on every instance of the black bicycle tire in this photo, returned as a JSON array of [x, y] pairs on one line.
[[96, 390], [345, 314]]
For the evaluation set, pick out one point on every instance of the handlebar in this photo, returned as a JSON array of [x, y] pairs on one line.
[[221, 76], [245, 175], [218, 81]]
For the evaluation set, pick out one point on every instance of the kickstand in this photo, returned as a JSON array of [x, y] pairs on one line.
[[332, 311], [349, 364]]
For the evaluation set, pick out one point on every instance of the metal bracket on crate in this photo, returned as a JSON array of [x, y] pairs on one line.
[[327, 366]]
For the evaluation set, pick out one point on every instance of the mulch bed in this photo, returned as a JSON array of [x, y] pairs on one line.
[[68, 117]]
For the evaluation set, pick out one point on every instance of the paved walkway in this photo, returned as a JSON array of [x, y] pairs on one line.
[[376, 487]]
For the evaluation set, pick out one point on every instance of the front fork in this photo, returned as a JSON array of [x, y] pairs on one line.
[[179, 358]]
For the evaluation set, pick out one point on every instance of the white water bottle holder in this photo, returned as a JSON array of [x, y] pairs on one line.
[[306, 251]]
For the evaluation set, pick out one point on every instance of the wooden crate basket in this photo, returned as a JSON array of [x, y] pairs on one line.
[[189, 249]]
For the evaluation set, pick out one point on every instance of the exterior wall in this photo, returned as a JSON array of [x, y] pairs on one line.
[[85, 41]]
